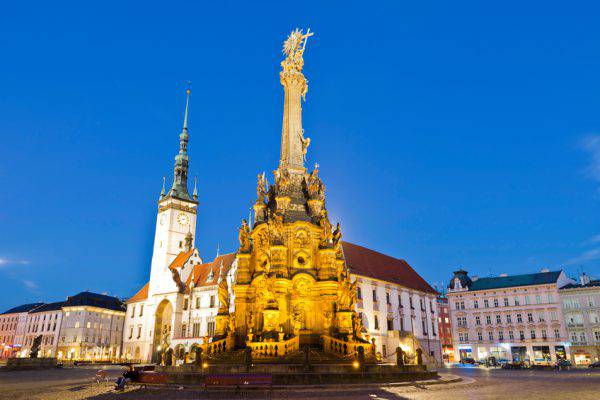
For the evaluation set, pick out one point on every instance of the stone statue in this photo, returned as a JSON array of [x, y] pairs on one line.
[[399, 357], [327, 318], [419, 356], [223, 295], [297, 322], [282, 181], [248, 358], [327, 236], [250, 321], [198, 359], [357, 326], [314, 185], [231, 323], [261, 188], [244, 236], [293, 48], [337, 234], [305, 142], [276, 227], [347, 293], [35, 346], [177, 279]]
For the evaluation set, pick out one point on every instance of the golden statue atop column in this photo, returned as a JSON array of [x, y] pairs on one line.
[[292, 284]]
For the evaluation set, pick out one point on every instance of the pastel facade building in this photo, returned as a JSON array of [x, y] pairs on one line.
[[44, 321], [581, 309], [13, 324], [513, 318], [91, 327]]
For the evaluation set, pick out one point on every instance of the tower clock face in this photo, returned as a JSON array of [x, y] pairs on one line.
[[183, 219]]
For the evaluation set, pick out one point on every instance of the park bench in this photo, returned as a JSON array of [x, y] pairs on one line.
[[238, 381]]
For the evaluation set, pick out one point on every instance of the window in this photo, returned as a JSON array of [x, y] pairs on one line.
[[544, 334], [475, 304], [582, 337], [185, 304], [212, 301], [374, 295], [462, 305], [211, 328], [576, 303], [141, 310], [590, 302], [130, 333], [390, 324], [196, 329], [412, 307], [501, 335], [597, 336], [376, 322], [456, 305], [486, 303], [505, 302], [387, 298], [477, 320], [519, 318], [479, 336], [424, 327], [529, 317], [89, 325], [521, 335], [557, 333], [550, 298], [400, 301], [496, 303], [538, 299], [516, 301], [553, 316], [184, 330], [532, 334], [541, 317], [491, 336], [461, 337], [133, 311], [198, 302], [526, 300], [508, 319], [488, 319], [180, 244], [358, 293], [498, 319], [76, 324], [433, 328], [461, 321], [139, 332]]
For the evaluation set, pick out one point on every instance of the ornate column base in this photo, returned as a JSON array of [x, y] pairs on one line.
[[344, 321], [270, 320]]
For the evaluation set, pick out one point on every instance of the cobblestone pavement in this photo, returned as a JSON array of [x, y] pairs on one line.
[[479, 383]]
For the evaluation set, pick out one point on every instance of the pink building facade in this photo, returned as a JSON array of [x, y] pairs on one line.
[[515, 318]]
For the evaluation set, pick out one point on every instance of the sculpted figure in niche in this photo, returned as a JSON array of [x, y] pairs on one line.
[[250, 321], [346, 293], [276, 227], [282, 181], [357, 326], [337, 234], [314, 185], [244, 236]]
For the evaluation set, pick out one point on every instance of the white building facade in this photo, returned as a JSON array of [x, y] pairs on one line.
[[44, 321], [581, 309], [514, 318]]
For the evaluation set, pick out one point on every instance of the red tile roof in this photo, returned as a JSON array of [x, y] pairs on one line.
[[372, 264], [142, 294], [181, 259], [201, 272]]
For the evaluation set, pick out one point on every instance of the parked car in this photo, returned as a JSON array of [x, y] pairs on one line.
[[514, 365], [468, 360], [595, 364], [564, 363]]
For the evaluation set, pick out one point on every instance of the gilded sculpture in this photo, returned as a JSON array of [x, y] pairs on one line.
[[261, 188], [244, 237], [223, 295]]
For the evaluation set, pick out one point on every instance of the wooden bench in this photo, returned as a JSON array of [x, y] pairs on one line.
[[238, 381]]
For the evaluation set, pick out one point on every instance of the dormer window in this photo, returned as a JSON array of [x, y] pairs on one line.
[[457, 284], [210, 276]]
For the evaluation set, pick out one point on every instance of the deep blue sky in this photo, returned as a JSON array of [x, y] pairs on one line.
[[449, 134]]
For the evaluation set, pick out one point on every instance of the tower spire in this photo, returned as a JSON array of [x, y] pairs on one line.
[[179, 189]]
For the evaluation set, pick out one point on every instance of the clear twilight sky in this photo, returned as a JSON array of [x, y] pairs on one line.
[[448, 134]]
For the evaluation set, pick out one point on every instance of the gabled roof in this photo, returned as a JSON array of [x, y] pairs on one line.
[[48, 307], [200, 273], [499, 282], [22, 308], [372, 264], [181, 259], [142, 294], [95, 300]]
